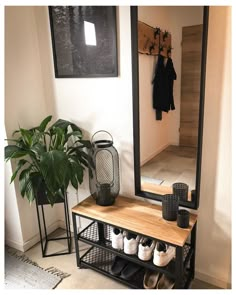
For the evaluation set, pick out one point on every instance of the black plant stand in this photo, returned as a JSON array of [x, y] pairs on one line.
[[44, 244]]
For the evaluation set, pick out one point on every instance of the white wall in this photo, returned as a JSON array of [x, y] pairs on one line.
[[25, 105], [214, 230], [13, 232], [28, 47], [156, 135]]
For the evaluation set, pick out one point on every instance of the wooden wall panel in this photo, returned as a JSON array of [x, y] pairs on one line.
[[190, 85]]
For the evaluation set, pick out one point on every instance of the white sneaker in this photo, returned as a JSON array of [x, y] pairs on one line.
[[131, 244], [117, 239], [162, 257], [145, 249]]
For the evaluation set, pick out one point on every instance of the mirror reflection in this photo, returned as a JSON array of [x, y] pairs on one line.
[[169, 95]]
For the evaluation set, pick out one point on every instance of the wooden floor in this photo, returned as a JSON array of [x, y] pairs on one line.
[[174, 164]]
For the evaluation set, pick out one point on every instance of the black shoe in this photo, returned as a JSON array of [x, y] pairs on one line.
[[130, 270], [118, 265]]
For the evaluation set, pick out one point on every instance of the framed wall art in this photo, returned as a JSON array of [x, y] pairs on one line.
[[84, 41]]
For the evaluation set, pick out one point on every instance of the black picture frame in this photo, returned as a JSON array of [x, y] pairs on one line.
[[79, 52]]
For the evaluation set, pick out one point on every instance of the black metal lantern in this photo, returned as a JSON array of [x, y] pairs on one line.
[[104, 182]]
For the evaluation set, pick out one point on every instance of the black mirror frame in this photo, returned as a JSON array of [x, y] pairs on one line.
[[194, 204]]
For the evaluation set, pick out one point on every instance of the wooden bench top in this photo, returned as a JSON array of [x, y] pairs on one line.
[[137, 216]]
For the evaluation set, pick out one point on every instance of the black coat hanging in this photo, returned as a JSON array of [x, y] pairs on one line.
[[163, 82]]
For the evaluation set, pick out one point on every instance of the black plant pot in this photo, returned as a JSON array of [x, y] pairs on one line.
[[42, 196], [43, 200]]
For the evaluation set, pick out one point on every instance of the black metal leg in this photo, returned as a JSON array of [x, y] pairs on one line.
[[43, 227], [76, 240], [193, 246], [101, 233], [179, 268], [67, 220], [44, 224], [40, 231], [45, 231]]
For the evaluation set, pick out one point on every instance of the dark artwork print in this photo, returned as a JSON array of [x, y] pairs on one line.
[[74, 55]]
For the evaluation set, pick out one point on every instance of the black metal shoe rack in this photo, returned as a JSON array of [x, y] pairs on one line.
[[100, 256]]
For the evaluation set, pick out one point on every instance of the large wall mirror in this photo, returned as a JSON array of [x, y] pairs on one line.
[[168, 135]]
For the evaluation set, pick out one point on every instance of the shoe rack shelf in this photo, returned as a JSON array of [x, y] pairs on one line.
[[130, 214]]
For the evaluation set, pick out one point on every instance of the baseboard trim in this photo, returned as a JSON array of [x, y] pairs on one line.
[[212, 280], [154, 154], [61, 224], [14, 244], [26, 245]]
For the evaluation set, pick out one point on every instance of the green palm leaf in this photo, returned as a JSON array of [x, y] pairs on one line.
[[74, 133], [53, 166], [20, 164], [63, 124], [32, 185], [73, 175], [26, 136], [78, 169], [38, 149], [23, 180], [13, 151], [44, 123], [54, 160]]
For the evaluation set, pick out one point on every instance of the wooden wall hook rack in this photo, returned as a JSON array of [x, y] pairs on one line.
[[153, 41]]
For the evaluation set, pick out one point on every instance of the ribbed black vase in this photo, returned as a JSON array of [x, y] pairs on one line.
[[170, 205], [183, 218], [180, 189]]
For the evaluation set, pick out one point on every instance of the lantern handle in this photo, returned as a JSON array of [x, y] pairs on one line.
[[102, 131]]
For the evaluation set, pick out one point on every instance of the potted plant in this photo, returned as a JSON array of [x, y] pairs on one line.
[[49, 159]]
